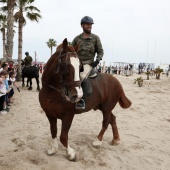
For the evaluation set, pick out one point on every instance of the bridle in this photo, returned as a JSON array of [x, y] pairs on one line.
[[59, 63], [57, 70]]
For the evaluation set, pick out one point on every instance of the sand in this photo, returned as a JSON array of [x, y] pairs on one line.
[[144, 130]]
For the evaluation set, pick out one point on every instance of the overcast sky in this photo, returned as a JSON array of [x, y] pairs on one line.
[[130, 30]]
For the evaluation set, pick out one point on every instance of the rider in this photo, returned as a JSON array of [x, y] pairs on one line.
[[28, 59], [89, 46]]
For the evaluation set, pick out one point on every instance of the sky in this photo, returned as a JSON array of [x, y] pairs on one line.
[[131, 31]]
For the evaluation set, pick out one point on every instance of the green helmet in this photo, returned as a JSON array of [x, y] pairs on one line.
[[87, 19]]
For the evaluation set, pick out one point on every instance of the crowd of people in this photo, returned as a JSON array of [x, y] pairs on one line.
[[7, 82], [126, 70]]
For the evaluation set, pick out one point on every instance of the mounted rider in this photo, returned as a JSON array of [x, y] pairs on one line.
[[27, 60], [90, 44]]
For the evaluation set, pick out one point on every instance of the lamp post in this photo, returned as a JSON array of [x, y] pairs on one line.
[[35, 57]]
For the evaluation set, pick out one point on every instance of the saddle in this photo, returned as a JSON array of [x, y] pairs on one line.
[[86, 84]]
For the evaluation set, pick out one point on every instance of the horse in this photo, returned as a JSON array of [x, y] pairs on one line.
[[60, 89], [30, 72]]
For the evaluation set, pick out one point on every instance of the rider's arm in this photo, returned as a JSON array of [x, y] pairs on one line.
[[99, 49]]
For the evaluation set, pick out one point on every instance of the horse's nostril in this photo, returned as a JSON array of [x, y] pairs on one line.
[[73, 99]]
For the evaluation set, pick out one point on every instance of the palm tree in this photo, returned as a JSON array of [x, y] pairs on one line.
[[10, 28], [32, 13], [9, 8], [51, 43], [3, 25]]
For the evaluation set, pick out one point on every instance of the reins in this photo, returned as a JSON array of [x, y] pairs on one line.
[[51, 86]]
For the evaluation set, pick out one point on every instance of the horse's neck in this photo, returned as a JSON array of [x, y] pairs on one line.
[[54, 80]]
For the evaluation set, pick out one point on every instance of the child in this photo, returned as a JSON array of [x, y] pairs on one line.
[[6, 102], [13, 83], [2, 92]]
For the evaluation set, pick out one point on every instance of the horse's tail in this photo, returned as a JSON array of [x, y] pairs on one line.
[[124, 101]]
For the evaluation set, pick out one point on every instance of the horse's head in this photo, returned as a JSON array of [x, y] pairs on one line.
[[68, 67]]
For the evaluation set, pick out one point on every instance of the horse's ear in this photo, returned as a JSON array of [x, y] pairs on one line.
[[65, 45], [77, 47]]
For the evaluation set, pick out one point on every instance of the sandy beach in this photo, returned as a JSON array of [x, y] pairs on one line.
[[144, 131]]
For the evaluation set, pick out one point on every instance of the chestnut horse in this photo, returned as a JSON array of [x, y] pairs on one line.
[[61, 84]]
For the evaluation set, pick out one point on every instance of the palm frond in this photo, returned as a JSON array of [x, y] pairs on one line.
[[3, 17], [3, 1], [4, 8], [31, 1], [31, 8], [51, 43], [24, 21], [33, 16], [17, 16]]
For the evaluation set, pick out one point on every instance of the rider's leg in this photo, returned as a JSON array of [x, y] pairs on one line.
[[81, 103], [87, 69]]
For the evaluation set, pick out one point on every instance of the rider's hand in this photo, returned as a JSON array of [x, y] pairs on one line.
[[95, 63]]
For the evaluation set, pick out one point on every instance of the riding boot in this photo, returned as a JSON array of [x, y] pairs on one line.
[[81, 104]]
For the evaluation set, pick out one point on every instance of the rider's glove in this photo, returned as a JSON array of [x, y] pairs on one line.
[[95, 63]]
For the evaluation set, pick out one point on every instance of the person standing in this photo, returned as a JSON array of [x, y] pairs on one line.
[[90, 45], [2, 92]]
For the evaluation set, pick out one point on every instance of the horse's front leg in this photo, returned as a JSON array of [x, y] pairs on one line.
[[66, 124], [53, 127]]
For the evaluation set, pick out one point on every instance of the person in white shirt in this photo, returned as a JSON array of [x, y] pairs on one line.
[[2, 93]]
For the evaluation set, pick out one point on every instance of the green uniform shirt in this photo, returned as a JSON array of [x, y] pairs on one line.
[[88, 48], [28, 60]]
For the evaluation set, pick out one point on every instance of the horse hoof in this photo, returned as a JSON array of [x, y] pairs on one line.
[[97, 143], [115, 141], [71, 154], [51, 151], [30, 88], [23, 85], [76, 158]]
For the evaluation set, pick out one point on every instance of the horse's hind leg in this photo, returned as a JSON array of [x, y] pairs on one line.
[[27, 83], [53, 128], [23, 84], [116, 138], [38, 83], [30, 80], [106, 116]]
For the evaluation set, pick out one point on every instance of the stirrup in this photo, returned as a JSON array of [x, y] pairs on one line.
[[93, 73], [80, 105]]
